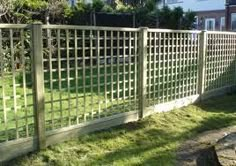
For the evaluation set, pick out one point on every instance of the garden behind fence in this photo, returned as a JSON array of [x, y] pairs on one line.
[[58, 82]]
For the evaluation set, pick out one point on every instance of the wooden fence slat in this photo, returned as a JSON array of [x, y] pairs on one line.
[[98, 71], [91, 72], [105, 70], [135, 67], [68, 76], [129, 79], [159, 69], [163, 68], [149, 68], [154, 67], [118, 69], [22, 39], [76, 76], [168, 67], [3, 87], [49, 42], [176, 82], [83, 75], [59, 74], [112, 66], [14, 83]]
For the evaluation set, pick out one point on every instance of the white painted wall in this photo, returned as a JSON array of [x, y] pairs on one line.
[[199, 5]]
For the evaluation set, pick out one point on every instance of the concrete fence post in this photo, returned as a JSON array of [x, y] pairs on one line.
[[202, 65], [142, 70], [38, 84]]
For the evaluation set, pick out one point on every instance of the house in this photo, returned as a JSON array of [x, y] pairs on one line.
[[210, 14], [72, 2], [231, 15]]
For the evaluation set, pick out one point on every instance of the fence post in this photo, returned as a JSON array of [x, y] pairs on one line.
[[38, 84], [142, 70], [202, 56]]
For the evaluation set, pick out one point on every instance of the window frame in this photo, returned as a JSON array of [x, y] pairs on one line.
[[174, 1], [233, 14], [214, 23], [222, 22], [196, 22]]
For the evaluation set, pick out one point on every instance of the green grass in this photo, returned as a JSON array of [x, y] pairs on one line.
[[79, 102], [66, 113], [151, 141]]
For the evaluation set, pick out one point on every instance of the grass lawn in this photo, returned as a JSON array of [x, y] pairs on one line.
[[151, 141], [67, 102]]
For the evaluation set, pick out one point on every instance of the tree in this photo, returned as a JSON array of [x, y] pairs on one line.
[[146, 14], [188, 20], [27, 11], [57, 11], [176, 18]]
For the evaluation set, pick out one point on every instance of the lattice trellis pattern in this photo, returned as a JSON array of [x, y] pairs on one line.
[[89, 74], [172, 69], [16, 98], [220, 60]]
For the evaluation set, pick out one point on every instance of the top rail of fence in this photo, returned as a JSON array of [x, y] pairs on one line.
[[90, 28], [221, 32], [20, 26], [14, 26], [173, 31]]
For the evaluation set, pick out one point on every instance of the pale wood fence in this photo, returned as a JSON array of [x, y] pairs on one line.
[[58, 82]]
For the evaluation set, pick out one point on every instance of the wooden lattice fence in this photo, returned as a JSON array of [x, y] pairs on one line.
[[58, 82]]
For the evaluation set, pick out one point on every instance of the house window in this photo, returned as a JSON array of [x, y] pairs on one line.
[[210, 24], [195, 24], [233, 21], [72, 2], [174, 1], [222, 23]]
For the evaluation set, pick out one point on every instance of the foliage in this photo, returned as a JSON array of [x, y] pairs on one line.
[[176, 18], [27, 11], [59, 11], [147, 14], [121, 7], [98, 5], [107, 8], [188, 20], [31, 4]]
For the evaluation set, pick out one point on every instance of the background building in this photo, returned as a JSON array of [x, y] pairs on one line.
[[231, 15], [210, 14]]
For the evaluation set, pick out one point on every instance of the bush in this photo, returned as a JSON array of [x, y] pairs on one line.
[[176, 18], [98, 5]]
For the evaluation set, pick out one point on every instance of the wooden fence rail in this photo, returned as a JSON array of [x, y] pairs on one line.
[[58, 82]]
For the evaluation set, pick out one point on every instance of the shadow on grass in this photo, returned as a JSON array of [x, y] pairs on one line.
[[160, 143], [151, 141]]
